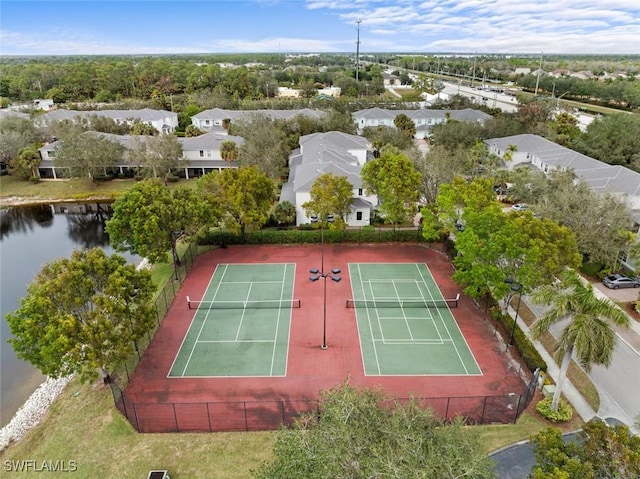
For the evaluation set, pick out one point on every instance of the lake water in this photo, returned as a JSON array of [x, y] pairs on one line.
[[31, 236]]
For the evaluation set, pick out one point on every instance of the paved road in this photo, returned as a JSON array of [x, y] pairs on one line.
[[491, 99], [618, 387]]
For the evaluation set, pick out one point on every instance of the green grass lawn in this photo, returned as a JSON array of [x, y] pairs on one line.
[[74, 189], [84, 426]]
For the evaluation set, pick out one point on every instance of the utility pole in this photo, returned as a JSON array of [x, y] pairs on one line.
[[538, 75], [358, 50]]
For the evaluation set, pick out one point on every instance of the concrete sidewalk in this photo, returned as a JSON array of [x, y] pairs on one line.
[[613, 403]]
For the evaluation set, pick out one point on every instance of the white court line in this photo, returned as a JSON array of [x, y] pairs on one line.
[[275, 338], [373, 343], [202, 325], [402, 309], [430, 314], [439, 313], [244, 310]]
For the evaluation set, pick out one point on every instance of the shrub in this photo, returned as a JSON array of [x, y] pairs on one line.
[[563, 414], [34, 179], [591, 268], [173, 179]]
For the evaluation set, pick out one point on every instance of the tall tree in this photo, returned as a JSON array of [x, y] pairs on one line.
[[83, 315], [439, 166], [494, 245], [16, 133], [602, 223], [149, 218], [589, 333], [330, 195], [242, 197], [265, 144], [396, 182], [353, 436], [156, 156], [87, 154]]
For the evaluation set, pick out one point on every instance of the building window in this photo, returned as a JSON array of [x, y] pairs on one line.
[[207, 122], [209, 153], [359, 191], [201, 153], [359, 215]]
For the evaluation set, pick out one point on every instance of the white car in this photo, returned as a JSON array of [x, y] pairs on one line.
[[520, 207]]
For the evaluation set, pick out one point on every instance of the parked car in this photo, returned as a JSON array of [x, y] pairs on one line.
[[520, 207], [615, 281]]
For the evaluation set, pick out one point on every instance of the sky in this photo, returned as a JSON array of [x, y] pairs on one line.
[[311, 26]]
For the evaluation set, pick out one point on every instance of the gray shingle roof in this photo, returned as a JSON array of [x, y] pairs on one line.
[[208, 141], [221, 114], [598, 175], [322, 153]]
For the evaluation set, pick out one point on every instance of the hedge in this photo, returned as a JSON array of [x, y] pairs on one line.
[[314, 236]]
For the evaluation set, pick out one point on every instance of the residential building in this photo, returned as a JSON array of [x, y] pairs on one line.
[[215, 119], [163, 121], [201, 155], [424, 120], [545, 155], [332, 152]]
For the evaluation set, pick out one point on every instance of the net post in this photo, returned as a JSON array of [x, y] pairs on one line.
[[457, 298], [188, 302]]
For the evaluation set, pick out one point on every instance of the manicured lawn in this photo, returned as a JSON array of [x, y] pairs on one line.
[[84, 426]]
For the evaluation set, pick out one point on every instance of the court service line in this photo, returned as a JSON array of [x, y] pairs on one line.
[[435, 325], [193, 348], [460, 331], [375, 307], [292, 283], [402, 309], [275, 338], [353, 274], [373, 343], [246, 300], [455, 347], [195, 315]]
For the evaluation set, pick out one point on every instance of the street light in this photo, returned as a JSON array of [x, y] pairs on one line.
[[321, 274], [516, 288]]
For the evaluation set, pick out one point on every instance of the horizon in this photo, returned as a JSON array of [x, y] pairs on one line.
[[217, 27]]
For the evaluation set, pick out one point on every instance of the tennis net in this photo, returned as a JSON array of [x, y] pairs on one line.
[[264, 304], [403, 303]]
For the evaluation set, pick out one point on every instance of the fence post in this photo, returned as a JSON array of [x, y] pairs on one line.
[[484, 407], [246, 423], [446, 412], [209, 417], [175, 416]]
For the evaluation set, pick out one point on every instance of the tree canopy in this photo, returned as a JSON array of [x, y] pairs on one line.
[[265, 144], [241, 198], [156, 156], [364, 434], [494, 245], [87, 154], [396, 182], [599, 451], [330, 195], [83, 314], [149, 218]]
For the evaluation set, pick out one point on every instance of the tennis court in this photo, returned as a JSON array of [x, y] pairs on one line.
[[405, 325], [240, 326]]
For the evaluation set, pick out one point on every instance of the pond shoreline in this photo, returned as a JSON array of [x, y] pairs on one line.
[[9, 201]]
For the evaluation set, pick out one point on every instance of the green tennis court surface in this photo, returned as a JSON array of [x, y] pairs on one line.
[[405, 324], [241, 325]]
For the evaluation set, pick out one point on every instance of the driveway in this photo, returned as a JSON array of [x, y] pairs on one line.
[[624, 295]]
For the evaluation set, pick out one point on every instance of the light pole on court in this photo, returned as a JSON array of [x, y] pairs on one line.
[[516, 288], [317, 274]]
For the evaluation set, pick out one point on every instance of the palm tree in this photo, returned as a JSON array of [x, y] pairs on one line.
[[589, 333]]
